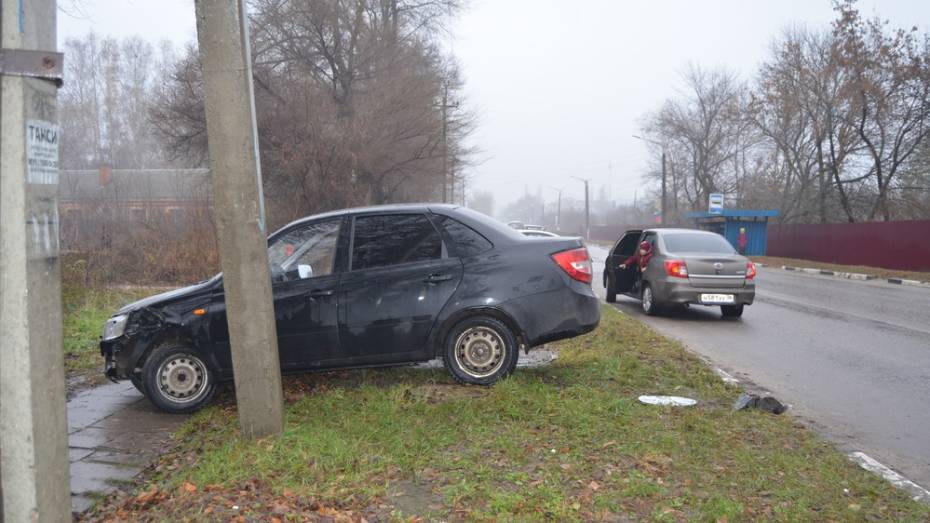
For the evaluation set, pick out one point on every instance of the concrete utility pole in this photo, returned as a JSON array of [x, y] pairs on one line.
[[662, 210], [664, 176], [587, 208], [33, 423], [222, 32]]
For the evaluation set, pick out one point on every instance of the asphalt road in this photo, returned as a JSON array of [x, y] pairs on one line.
[[851, 357]]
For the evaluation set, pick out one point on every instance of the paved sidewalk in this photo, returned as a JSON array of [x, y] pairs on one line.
[[113, 434]]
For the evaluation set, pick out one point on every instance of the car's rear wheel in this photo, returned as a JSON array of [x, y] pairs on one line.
[[611, 290], [731, 311], [480, 350], [650, 306], [176, 380]]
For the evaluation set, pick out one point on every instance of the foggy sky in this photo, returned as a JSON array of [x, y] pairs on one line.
[[559, 87]]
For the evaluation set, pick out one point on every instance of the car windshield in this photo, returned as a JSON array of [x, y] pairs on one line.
[[697, 242]]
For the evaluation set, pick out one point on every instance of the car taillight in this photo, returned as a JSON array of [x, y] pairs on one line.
[[576, 263], [750, 270], [676, 268]]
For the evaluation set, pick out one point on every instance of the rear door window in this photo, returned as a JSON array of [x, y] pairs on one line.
[[703, 243], [461, 240], [394, 239]]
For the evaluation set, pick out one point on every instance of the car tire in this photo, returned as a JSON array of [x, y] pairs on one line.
[[731, 311], [136, 381], [650, 306], [480, 350], [611, 290], [177, 380]]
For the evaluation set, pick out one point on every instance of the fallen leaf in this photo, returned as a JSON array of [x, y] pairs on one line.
[[189, 487], [594, 485], [147, 496]]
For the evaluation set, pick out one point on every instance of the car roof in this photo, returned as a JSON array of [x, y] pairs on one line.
[[388, 208], [678, 230]]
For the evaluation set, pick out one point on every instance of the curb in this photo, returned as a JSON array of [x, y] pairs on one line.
[[854, 276]]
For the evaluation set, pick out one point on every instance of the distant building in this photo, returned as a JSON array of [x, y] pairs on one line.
[[96, 204]]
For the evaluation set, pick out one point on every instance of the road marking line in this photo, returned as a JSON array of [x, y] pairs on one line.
[[854, 276], [865, 461], [725, 376]]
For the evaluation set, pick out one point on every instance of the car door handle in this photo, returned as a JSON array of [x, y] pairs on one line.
[[437, 278], [321, 293]]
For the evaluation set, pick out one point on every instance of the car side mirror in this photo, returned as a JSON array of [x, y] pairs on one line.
[[298, 272]]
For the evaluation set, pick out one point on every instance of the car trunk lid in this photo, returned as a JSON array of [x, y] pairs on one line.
[[716, 270]]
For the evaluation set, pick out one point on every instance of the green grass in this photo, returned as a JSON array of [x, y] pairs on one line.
[[567, 442], [84, 312]]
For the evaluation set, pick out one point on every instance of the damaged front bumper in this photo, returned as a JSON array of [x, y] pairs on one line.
[[109, 350], [122, 352]]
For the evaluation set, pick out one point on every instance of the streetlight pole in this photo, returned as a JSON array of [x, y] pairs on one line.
[[664, 177], [587, 208], [558, 212]]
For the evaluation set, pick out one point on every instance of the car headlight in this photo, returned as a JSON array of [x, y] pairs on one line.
[[114, 327]]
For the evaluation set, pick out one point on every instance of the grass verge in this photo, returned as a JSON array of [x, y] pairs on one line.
[[565, 442], [84, 310], [861, 269]]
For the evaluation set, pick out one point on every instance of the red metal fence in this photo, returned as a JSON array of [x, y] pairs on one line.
[[901, 245]]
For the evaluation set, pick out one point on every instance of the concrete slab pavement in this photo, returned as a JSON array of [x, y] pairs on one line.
[[113, 434]]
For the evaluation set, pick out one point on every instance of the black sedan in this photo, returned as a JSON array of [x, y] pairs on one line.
[[369, 287]]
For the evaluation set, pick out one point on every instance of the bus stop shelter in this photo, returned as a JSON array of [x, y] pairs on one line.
[[728, 222]]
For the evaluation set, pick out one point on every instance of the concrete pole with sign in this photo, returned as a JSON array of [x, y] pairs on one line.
[[33, 424], [222, 32]]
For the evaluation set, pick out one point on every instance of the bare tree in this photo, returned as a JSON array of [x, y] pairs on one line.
[[834, 126], [349, 99], [483, 202], [708, 129], [890, 88]]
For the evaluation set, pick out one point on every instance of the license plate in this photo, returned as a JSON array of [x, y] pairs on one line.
[[716, 298]]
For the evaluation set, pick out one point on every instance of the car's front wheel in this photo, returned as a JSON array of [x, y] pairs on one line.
[[176, 380], [136, 381], [650, 306], [731, 311], [480, 350]]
